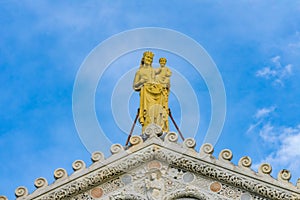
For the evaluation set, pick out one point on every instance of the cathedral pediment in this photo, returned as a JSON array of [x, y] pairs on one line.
[[162, 168]]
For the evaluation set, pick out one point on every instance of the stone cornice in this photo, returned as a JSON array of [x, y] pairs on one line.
[[167, 150]]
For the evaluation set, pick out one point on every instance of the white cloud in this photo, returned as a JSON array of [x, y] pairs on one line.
[[294, 43], [287, 153], [260, 116], [283, 142], [267, 133], [276, 61], [277, 72], [290, 145], [264, 112], [266, 73], [252, 127], [287, 70]]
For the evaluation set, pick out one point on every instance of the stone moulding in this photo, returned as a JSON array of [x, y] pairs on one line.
[[171, 153], [187, 193], [250, 184], [127, 196]]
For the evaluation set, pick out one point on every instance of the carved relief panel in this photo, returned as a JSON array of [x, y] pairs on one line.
[[156, 180]]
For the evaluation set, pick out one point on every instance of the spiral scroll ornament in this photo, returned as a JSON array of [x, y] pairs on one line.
[[3, 198], [284, 175], [225, 155], [135, 140], [207, 149], [40, 182], [189, 143], [21, 191], [153, 130], [97, 156], [245, 162], [265, 168], [60, 173], [78, 165], [172, 137], [116, 148]]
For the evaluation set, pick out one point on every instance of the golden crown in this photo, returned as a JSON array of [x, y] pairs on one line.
[[149, 53], [162, 59]]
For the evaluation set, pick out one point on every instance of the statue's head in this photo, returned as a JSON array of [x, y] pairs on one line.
[[148, 53], [153, 175], [148, 57], [162, 61]]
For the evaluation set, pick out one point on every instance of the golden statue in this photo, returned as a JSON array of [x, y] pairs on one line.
[[154, 87]]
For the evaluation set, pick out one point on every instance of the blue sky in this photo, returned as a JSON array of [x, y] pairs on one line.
[[255, 44]]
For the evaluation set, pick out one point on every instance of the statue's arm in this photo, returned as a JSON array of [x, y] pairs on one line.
[[138, 81], [169, 72], [157, 71]]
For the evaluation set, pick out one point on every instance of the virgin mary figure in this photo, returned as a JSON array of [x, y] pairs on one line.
[[153, 108]]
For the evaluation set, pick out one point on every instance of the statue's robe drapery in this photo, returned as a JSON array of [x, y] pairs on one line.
[[154, 106], [153, 99]]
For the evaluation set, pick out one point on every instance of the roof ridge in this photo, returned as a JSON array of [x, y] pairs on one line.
[[161, 146]]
